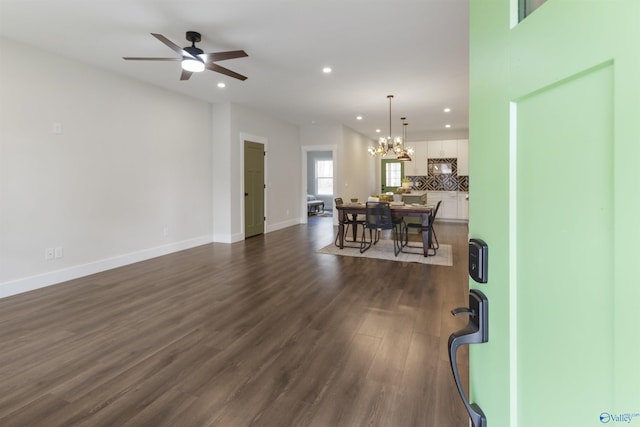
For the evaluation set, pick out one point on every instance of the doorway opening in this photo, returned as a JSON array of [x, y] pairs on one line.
[[320, 181]]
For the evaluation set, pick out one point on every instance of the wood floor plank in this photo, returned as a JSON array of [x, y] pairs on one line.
[[36, 410], [265, 385], [449, 410], [263, 332], [416, 398], [128, 393], [336, 407], [431, 305], [389, 361], [283, 411]]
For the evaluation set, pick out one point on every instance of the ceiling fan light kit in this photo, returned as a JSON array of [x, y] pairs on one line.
[[194, 60], [193, 65]]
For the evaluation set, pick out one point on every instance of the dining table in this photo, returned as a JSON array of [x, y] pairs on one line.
[[411, 210]]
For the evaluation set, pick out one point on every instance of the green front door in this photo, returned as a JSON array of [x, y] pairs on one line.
[[391, 173], [555, 131]]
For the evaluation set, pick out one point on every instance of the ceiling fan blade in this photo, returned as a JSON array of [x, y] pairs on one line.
[[221, 56], [225, 71], [172, 45], [135, 58], [185, 75]]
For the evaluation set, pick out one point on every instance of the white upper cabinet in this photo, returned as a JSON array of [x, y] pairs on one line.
[[418, 163], [450, 149], [463, 205], [442, 149], [463, 157]]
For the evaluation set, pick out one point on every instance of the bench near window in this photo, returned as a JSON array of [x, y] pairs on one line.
[[314, 205]]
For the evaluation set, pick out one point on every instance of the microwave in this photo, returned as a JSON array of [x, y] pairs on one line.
[[443, 168]]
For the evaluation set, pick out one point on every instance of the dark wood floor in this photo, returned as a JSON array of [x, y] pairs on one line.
[[264, 332]]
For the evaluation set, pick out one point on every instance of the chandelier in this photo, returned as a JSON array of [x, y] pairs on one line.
[[390, 144], [405, 153]]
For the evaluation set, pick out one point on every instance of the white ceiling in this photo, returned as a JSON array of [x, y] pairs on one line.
[[416, 50]]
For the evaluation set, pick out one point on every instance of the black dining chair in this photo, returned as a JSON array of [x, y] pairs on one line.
[[348, 222], [378, 217], [432, 239]]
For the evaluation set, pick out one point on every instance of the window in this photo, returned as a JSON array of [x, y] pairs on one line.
[[526, 7], [324, 177], [393, 174]]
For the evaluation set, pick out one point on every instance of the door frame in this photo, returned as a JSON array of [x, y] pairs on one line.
[[264, 141], [333, 148]]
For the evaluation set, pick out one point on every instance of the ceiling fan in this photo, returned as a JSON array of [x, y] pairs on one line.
[[194, 59]]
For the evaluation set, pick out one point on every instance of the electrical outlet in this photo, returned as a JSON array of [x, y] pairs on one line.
[[48, 253], [59, 252], [165, 232]]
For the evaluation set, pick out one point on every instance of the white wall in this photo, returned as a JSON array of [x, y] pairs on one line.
[[129, 178], [137, 171], [221, 162], [282, 168], [359, 168]]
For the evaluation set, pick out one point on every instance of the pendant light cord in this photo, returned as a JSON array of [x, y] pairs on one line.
[[390, 97]]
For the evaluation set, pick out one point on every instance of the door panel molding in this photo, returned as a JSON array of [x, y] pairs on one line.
[[550, 217]]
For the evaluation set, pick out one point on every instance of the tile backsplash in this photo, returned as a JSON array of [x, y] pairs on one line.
[[442, 182]]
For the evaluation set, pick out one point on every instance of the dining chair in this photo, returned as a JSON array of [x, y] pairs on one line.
[[348, 222], [378, 217], [432, 239]]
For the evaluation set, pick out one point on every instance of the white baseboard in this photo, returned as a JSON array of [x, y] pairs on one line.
[[283, 224], [460, 220], [225, 238], [268, 228], [26, 284]]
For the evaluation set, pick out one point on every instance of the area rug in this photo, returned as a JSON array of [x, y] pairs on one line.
[[384, 250]]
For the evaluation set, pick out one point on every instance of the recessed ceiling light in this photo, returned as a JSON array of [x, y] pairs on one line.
[[446, 110], [359, 118], [326, 70], [377, 130], [221, 84], [447, 126]]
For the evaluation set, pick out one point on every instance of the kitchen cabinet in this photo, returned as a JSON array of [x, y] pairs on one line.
[[463, 157], [463, 205], [442, 149], [418, 164], [448, 207]]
